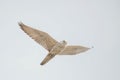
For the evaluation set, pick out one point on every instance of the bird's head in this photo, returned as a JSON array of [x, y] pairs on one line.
[[63, 42]]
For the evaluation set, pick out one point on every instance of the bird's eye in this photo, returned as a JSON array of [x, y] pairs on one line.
[[64, 41]]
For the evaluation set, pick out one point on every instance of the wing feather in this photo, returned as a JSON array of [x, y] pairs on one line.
[[40, 37], [72, 50]]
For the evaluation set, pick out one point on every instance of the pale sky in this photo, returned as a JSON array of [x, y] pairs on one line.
[[79, 22]]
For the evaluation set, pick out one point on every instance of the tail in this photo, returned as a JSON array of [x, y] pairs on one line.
[[47, 58]]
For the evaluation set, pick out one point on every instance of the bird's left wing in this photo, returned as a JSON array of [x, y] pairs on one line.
[[72, 50], [43, 38]]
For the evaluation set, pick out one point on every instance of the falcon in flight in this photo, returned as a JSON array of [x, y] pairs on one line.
[[54, 47]]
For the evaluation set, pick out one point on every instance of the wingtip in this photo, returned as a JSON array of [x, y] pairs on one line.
[[20, 23], [90, 47]]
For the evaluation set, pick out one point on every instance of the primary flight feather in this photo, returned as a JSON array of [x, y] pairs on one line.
[[54, 47]]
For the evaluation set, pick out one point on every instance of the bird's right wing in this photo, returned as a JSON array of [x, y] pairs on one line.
[[43, 38], [72, 50]]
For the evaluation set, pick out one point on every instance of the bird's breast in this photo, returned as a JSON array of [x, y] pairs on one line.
[[57, 49]]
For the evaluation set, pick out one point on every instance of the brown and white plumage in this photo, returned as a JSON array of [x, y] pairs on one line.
[[72, 50], [54, 47], [39, 36]]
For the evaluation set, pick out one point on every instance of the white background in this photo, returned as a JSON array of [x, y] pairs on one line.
[[79, 22]]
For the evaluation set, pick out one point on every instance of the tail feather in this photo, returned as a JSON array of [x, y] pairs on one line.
[[47, 58]]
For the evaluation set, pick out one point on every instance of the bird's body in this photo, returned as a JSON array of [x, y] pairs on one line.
[[54, 47], [57, 49]]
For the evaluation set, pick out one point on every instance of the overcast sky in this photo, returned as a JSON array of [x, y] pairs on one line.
[[79, 22]]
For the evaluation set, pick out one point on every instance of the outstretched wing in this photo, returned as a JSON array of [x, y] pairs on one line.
[[72, 50], [39, 36]]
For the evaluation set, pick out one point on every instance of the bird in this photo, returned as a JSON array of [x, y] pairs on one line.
[[53, 46]]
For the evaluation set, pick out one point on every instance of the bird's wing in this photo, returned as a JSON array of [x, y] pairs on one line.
[[72, 50], [40, 37]]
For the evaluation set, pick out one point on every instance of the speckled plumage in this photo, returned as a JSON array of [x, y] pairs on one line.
[[54, 47]]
